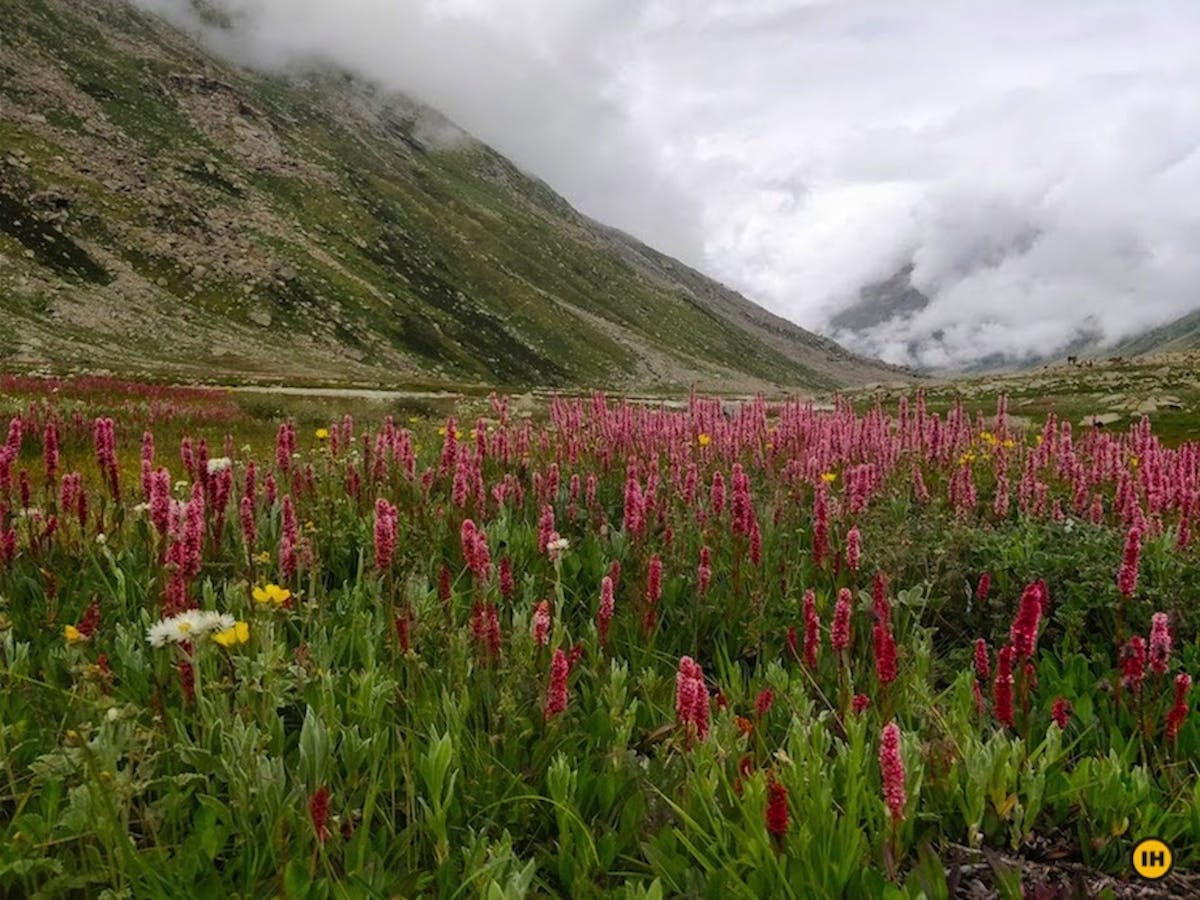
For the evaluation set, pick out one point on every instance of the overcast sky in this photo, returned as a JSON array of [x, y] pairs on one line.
[[1037, 162]]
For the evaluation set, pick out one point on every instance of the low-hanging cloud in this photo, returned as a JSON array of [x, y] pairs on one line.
[[1036, 164]]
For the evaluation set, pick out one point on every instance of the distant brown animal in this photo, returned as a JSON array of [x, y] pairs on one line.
[[1072, 360]]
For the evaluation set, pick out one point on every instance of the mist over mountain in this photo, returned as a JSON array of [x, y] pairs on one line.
[[1033, 164]]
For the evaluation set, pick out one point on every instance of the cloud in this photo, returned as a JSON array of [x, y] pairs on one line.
[[1036, 163]]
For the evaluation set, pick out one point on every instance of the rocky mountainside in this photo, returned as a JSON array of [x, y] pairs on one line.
[[163, 210]]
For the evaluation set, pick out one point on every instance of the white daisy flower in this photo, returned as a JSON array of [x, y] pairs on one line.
[[219, 464], [188, 625]]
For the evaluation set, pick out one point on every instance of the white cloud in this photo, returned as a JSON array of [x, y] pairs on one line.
[[1036, 162]]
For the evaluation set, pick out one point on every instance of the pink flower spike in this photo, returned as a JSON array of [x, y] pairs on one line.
[[891, 767]]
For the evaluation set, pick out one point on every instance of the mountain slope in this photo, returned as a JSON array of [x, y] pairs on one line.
[[166, 211], [1181, 334], [881, 302]]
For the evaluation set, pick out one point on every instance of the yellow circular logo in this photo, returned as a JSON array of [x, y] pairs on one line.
[[1152, 859]]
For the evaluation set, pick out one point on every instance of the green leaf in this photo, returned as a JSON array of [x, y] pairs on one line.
[[296, 880]]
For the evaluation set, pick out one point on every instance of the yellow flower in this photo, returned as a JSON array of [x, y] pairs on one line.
[[272, 593], [442, 431], [264, 557], [413, 420], [322, 434], [1009, 443], [71, 633], [704, 440], [829, 477], [1133, 462], [310, 525], [230, 637]]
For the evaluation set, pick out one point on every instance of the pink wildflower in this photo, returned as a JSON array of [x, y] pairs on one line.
[[891, 767]]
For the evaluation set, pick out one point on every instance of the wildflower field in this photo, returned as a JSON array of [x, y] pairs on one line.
[[751, 650]]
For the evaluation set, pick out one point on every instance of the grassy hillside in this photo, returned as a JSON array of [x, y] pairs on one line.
[[164, 211]]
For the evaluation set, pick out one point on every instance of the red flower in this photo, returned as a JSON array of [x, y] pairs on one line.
[[1023, 632], [716, 495], [318, 811], [983, 587], [860, 703], [485, 626], [1160, 644], [885, 654], [880, 605], [249, 531], [777, 810], [635, 505], [1002, 690], [891, 767], [1133, 663], [1179, 710], [812, 629], [853, 548], [691, 697], [839, 634], [556, 693], [654, 580], [1127, 576], [740, 512], [575, 655], [50, 452], [403, 631], [386, 518], [820, 535], [762, 703], [545, 527], [983, 667], [91, 619], [605, 613], [1061, 712], [541, 623]]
